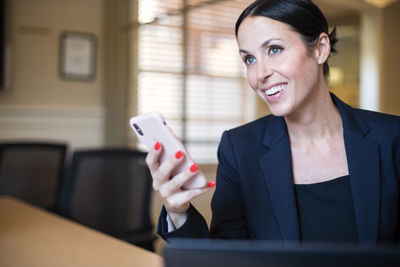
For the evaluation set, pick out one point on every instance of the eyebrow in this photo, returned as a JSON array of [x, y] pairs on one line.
[[263, 45]]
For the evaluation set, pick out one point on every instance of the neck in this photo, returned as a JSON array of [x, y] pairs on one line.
[[317, 120]]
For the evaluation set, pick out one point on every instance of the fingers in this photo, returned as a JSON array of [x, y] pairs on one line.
[[168, 166], [152, 158], [179, 202], [176, 199], [161, 173], [174, 185], [170, 190]]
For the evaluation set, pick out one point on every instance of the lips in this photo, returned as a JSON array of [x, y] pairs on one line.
[[274, 92], [275, 89]]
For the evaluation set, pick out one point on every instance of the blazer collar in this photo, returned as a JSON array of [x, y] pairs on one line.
[[363, 162], [276, 164], [277, 127], [350, 120], [275, 131]]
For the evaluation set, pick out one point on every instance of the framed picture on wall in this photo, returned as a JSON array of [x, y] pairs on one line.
[[77, 56]]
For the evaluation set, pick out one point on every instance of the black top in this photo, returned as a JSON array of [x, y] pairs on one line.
[[326, 211]]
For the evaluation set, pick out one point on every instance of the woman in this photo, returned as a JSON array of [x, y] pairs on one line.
[[316, 169]]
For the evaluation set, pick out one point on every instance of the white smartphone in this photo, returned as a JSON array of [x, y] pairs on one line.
[[151, 128]]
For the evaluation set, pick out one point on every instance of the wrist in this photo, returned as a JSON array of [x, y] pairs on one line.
[[178, 219]]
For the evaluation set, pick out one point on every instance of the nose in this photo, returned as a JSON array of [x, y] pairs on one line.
[[263, 70]]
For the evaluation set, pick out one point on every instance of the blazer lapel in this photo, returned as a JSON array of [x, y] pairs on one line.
[[277, 168], [363, 162]]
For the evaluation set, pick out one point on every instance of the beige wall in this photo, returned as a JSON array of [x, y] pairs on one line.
[[390, 54], [345, 65], [38, 103], [36, 27]]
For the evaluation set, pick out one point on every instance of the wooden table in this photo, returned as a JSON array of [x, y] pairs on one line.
[[30, 236]]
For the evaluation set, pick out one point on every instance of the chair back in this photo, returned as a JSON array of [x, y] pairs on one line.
[[32, 172], [109, 190]]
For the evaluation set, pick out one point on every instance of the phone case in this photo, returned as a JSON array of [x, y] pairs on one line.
[[151, 128]]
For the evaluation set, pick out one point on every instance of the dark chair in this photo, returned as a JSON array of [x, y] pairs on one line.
[[110, 190], [32, 172]]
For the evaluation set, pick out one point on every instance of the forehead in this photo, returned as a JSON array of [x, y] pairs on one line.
[[254, 30]]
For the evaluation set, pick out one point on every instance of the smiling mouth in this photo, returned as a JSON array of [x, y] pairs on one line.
[[276, 89]]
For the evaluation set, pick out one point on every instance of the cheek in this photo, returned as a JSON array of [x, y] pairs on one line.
[[300, 69], [308, 73], [293, 66], [251, 78]]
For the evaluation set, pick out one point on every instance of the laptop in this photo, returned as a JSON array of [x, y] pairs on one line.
[[235, 253]]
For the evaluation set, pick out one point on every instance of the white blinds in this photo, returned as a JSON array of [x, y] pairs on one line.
[[200, 89]]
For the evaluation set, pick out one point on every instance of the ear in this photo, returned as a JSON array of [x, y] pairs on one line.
[[322, 48]]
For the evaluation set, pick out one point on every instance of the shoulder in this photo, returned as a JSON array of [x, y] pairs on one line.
[[380, 123], [383, 130], [254, 135], [372, 124], [379, 128], [245, 134]]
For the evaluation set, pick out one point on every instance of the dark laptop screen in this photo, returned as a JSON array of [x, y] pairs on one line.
[[212, 253]]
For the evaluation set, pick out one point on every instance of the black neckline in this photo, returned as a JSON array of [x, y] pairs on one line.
[[335, 180]]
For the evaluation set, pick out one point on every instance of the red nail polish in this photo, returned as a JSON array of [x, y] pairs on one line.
[[157, 146], [194, 167], [179, 154], [211, 184]]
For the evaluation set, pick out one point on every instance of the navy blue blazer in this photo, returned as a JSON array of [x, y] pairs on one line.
[[254, 197]]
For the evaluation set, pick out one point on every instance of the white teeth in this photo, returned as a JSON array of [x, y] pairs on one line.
[[276, 89]]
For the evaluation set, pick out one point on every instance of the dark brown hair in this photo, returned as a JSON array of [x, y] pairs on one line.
[[302, 15]]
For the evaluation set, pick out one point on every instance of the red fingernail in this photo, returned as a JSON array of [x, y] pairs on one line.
[[194, 167], [179, 154], [157, 146], [211, 184]]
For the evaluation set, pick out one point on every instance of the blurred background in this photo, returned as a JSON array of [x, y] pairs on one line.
[[178, 57]]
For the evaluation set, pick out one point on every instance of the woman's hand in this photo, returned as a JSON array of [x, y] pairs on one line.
[[175, 199]]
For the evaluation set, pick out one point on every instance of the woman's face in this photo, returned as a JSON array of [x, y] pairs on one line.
[[280, 67]]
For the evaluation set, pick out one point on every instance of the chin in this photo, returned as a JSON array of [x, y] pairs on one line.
[[278, 110], [278, 113]]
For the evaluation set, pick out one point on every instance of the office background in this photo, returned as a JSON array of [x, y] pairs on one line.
[[37, 103]]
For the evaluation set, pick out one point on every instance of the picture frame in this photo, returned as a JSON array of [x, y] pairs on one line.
[[77, 56]]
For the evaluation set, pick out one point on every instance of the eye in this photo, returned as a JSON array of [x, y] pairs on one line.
[[248, 60], [274, 50]]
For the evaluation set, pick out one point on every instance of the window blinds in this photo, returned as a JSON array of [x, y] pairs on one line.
[[190, 70]]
